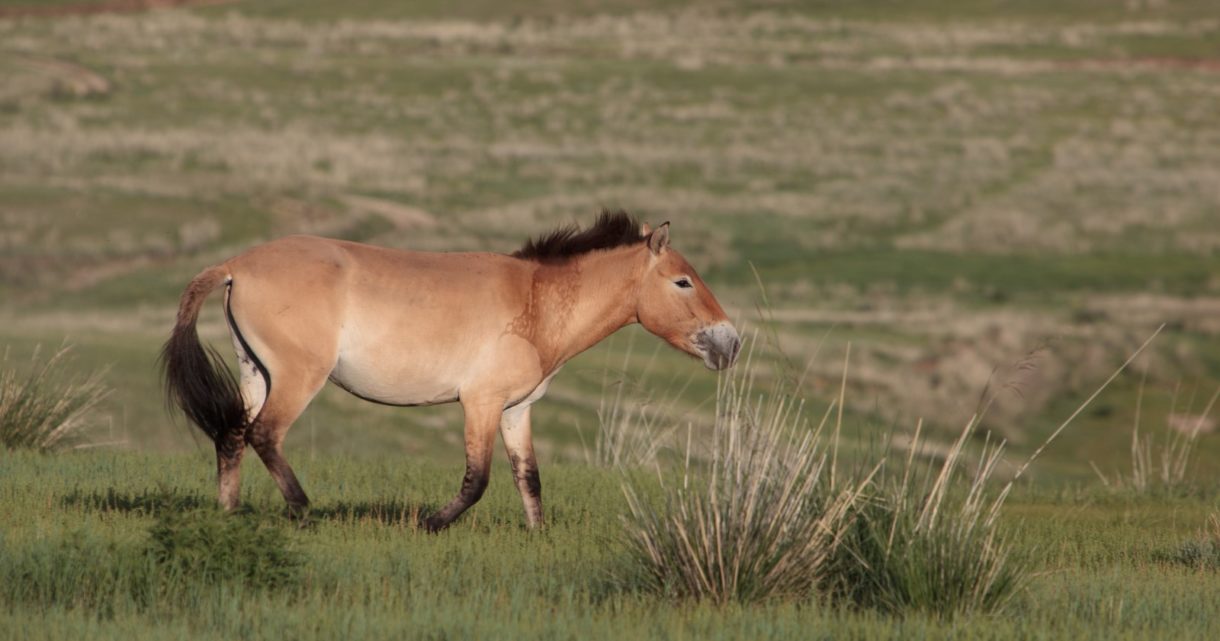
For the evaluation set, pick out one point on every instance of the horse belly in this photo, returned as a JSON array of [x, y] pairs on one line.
[[375, 377]]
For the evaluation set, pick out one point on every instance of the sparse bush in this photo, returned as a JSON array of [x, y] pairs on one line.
[[770, 516], [760, 520], [45, 408]]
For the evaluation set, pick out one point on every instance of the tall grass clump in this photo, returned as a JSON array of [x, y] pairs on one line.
[[43, 407], [928, 539], [769, 515], [759, 519]]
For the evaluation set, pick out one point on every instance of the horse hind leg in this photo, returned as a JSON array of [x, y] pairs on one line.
[[288, 398], [277, 384], [231, 447]]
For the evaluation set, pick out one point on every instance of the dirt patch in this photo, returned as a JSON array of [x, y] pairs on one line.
[[1191, 424]]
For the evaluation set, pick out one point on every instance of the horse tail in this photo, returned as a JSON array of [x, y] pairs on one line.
[[197, 380]]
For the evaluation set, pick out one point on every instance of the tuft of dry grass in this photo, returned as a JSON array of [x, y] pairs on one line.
[[1161, 465], [630, 432], [760, 520], [769, 516], [43, 407], [635, 424]]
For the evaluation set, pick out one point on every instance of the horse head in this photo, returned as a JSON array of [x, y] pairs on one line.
[[676, 305]]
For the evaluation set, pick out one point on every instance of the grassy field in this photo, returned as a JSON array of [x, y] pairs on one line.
[[960, 190], [73, 564]]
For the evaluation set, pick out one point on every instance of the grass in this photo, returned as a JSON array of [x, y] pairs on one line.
[[943, 184], [1095, 566], [1203, 552], [926, 542], [760, 520], [636, 423], [1163, 466], [44, 406]]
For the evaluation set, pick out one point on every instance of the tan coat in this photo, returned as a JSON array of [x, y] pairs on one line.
[[419, 328]]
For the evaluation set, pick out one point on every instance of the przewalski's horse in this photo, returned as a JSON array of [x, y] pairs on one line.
[[418, 328]]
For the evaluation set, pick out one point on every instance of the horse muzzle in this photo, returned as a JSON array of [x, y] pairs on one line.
[[718, 345]]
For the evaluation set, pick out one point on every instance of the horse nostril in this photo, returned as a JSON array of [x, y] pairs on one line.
[[719, 345]]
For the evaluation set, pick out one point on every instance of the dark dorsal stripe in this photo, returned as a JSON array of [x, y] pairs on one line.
[[612, 229]]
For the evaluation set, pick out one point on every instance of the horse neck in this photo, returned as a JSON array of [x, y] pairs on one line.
[[584, 300]]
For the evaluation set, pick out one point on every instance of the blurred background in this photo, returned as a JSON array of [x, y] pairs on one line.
[[985, 199]]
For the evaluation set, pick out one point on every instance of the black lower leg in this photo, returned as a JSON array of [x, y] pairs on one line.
[[474, 483], [525, 473], [284, 477]]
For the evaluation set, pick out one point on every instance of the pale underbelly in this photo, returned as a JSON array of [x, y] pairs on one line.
[[407, 388], [394, 386]]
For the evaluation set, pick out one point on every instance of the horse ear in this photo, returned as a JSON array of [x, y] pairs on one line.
[[645, 230], [658, 241]]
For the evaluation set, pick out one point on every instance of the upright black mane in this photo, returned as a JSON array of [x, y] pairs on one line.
[[612, 229]]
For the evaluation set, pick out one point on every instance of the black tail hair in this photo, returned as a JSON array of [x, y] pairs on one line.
[[197, 380]]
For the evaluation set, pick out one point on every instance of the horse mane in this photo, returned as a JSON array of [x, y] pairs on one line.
[[612, 229]]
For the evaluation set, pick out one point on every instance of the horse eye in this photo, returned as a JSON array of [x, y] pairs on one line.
[[683, 283]]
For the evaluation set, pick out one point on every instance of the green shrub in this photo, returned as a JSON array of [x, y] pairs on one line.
[[211, 546]]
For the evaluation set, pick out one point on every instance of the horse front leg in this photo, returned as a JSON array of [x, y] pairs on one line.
[[515, 428], [482, 418]]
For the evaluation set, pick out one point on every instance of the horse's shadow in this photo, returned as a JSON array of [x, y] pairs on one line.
[[146, 502], [386, 512]]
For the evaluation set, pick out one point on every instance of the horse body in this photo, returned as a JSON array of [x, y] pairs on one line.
[[419, 328], [394, 327]]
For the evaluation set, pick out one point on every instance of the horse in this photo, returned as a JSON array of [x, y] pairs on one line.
[[407, 328]]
